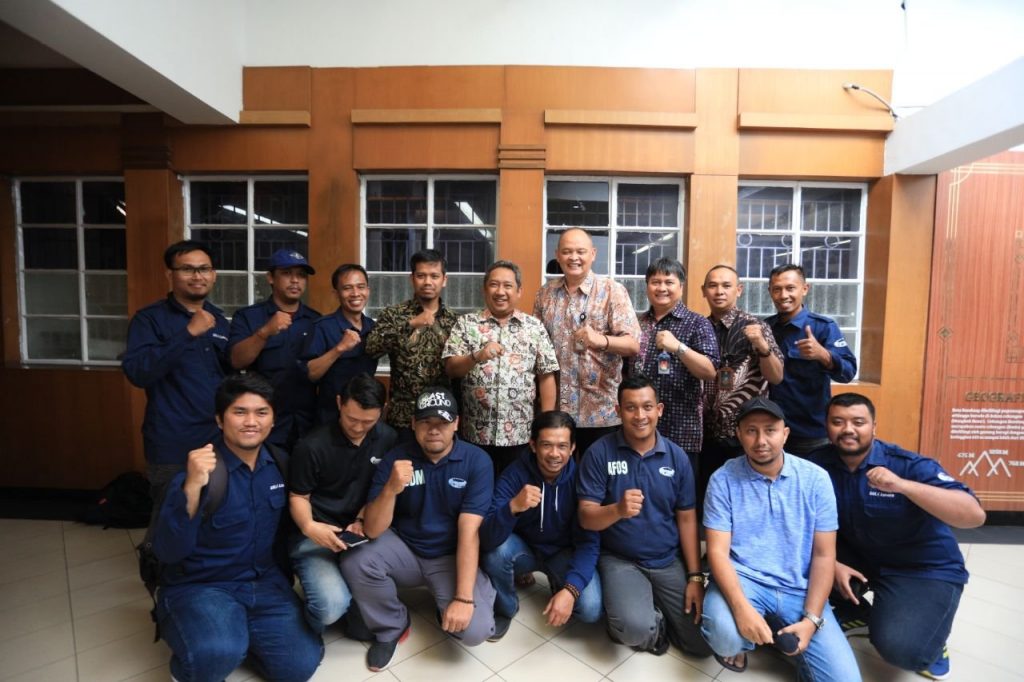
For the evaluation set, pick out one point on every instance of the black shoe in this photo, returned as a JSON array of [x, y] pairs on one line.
[[380, 655], [353, 627], [660, 645], [501, 626]]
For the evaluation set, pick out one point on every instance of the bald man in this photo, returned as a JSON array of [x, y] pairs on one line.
[[593, 326]]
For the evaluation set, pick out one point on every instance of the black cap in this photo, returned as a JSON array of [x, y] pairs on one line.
[[436, 401], [760, 404]]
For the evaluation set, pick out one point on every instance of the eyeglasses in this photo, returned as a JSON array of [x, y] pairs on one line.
[[190, 271]]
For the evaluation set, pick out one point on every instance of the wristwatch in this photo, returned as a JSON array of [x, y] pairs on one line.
[[818, 621], [681, 350]]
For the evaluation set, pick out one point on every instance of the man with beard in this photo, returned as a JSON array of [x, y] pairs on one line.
[[413, 334], [895, 512], [268, 337], [771, 526], [176, 351], [222, 595], [533, 525], [636, 488], [426, 503], [504, 359], [337, 349]]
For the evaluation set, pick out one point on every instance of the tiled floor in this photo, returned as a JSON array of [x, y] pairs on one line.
[[72, 608]]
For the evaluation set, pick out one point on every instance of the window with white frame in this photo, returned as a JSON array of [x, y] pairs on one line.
[[400, 215], [243, 221], [816, 225], [72, 270], [632, 221]]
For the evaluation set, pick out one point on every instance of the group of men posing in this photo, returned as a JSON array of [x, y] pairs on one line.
[[611, 434]]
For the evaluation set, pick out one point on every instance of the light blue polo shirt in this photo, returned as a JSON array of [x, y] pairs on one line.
[[772, 522]]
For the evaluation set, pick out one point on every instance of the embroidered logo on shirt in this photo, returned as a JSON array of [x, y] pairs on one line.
[[667, 471], [618, 467], [943, 476], [840, 343], [417, 478], [375, 460], [879, 493], [219, 336], [276, 486], [457, 482]]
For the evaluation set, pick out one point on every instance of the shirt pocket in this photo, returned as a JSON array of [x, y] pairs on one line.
[[879, 507]]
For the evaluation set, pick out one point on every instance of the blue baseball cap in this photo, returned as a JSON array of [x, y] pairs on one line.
[[289, 258]]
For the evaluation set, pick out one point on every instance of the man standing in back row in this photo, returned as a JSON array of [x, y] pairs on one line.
[[413, 334], [592, 326], [816, 355]]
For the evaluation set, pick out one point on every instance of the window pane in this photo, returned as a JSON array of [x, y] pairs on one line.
[[51, 293], [229, 248], [764, 208], [48, 202], [54, 248], [105, 249], [757, 254], [838, 301], [600, 239], [390, 250], [830, 209], [53, 338], [218, 203], [101, 201], [396, 202], [637, 288], [582, 204], [106, 294], [465, 202], [634, 251], [830, 257], [230, 293], [281, 202], [756, 300], [106, 338], [648, 205], [465, 250], [464, 293], [267, 241], [387, 290]]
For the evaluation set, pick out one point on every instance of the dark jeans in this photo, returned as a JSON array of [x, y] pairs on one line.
[[211, 628], [909, 619]]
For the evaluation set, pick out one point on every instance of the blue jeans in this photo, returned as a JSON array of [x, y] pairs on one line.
[[909, 619], [514, 557], [327, 595], [827, 657], [211, 628]]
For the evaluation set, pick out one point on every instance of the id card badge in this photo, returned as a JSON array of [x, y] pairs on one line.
[[664, 363], [725, 377]]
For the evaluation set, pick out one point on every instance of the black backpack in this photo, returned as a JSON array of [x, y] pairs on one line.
[[150, 567], [122, 503]]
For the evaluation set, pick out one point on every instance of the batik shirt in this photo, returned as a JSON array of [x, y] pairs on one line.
[[681, 392], [415, 355], [588, 381], [498, 394], [739, 377]]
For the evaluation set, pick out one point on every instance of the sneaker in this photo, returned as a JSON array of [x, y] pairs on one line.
[[854, 627], [353, 626], [380, 655], [501, 626], [939, 670]]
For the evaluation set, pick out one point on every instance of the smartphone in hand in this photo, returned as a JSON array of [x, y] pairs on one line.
[[352, 539]]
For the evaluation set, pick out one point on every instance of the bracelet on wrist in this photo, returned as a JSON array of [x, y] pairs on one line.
[[764, 354], [572, 589], [607, 342], [464, 601]]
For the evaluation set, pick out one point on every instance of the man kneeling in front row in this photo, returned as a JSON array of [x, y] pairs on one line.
[[533, 525], [426, 503], [222, 595]]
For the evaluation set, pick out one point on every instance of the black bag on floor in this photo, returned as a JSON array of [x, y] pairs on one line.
[[122, 503]]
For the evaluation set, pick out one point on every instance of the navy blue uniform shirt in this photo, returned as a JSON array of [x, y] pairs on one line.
[[180, 374], [806, 384], [883, 533], [294, 393], [548, 528], [610, 468], [427, 511], [327, 333], [236, 543]]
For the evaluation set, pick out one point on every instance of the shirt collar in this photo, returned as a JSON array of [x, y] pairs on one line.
[[585, 286], [678, 311], [175, 305], [754, 475], [345, 324], [800, 319], [517, 316], [231, 460], [729, 318], [271, 308], [658, 449]]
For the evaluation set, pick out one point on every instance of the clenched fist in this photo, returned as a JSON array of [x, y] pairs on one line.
[[401, 476], [528, 498], [201, 322], [631, 503]]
